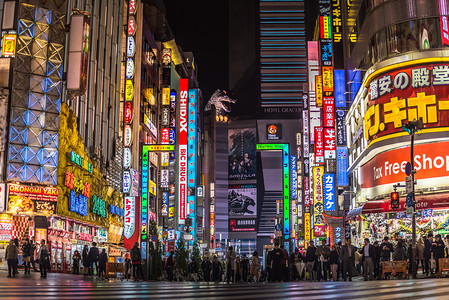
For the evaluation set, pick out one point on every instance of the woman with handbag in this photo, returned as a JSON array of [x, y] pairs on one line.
[[26, 256]]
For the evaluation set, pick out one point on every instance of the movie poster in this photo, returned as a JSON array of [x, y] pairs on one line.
[[242, 154], [242, 200]]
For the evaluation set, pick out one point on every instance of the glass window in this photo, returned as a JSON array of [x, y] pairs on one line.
[[428, 37], [381, 45]]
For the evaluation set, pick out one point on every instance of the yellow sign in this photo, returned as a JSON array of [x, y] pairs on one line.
[[319, 90], [166, 96], [149, 95], [9, 45], [171, 212], [152, 187], [159, 148], [307, 226], [328, 79], [165, 159], [129, 90]]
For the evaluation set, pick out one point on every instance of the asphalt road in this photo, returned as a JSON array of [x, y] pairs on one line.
[[62, 286]]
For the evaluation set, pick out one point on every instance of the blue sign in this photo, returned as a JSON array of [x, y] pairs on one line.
[[78, 204], [172, 136], [340, 88], [408, 169], [329, 192], [409, 200], [294, 178], [191, 158], [354, 83], [116, 210], [326, 52], [342, 166], [278, 227]]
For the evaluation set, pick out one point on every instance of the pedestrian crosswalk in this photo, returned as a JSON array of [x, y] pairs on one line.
[[59, 286]]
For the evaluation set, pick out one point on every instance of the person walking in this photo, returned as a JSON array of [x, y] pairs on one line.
[[230, 264], [86, 262], [44, 262], [376, 259], [12, 254], [277, 255], [193, 270], [367, 252], [32, 257], [254, 269], [76, 262], [245, 268], [216, 269], [311, 260], [420, 261], [170, 265], [102, 262], [238, 269], [438, 251], [206, 266], [269, 266], [136, 261], [334, 261], [26, 256], [427, 254], [347, 258], [322, 253], [284, 265], [127, 266], [93, 258], [16, 242]]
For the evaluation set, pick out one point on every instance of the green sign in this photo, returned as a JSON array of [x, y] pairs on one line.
[[99, 206], [79, 161], [158, 148], [285, 181]]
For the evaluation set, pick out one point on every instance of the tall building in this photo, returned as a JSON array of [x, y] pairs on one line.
[[61, 108], [400, 50], [268, 76]]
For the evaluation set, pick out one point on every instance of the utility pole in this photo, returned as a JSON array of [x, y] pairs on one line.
[[411, 127]]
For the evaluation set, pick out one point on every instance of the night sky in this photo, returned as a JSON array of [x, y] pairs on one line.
[[201, 27]]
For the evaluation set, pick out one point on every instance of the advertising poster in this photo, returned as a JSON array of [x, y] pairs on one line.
[[28, 199], [242, 154], [318, 204], [242, 207]]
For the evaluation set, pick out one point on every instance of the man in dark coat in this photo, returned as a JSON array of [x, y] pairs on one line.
[[311, 261], [347, 257], [93, 258], [367, 252], [103, 260], [206, 267], [245, 268], [277, 255]]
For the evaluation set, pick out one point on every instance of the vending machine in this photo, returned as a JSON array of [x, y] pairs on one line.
[[59, 258], [53, 258], [68, 258]]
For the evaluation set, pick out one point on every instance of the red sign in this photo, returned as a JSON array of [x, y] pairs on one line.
[[85, 237], [131, 26], [407, 94], [431, 163], [165, 136], [182, 176], [319, 230], [132, 7], [319, 145], [328, 112], [23, 198], [329, 143], [444, 29], [128, 112]]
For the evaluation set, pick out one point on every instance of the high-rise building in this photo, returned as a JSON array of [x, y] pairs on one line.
[[400, 50]]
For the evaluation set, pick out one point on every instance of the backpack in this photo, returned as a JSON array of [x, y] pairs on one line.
[[135, 255]]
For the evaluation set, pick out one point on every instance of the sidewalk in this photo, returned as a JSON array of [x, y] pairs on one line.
[[53, 276]]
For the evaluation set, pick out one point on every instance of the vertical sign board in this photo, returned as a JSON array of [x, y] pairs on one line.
[[294, 177], [329, 192], [342, 166], [319, 145], [305, 136], [341, 127], [340, 88], [286, 181], [144, 197], [191, 159], [444, 29], [318, 204], [182, 149]]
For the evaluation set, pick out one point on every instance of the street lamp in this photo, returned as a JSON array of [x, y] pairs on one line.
[[411, 127]]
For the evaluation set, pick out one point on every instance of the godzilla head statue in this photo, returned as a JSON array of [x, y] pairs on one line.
[[222, 102]]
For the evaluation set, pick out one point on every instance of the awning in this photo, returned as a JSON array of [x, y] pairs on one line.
[[434, 201]]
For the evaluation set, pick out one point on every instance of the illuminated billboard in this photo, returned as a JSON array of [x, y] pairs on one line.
[[286, 181], [182, 149], [191, 159], [318, 204], [398, 95]]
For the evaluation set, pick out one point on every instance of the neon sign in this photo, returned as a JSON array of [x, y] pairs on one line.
[[182, 157], [286, 181], [99, 206], [191, 160]]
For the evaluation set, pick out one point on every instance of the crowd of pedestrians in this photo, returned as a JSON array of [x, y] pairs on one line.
[[322, 262]]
